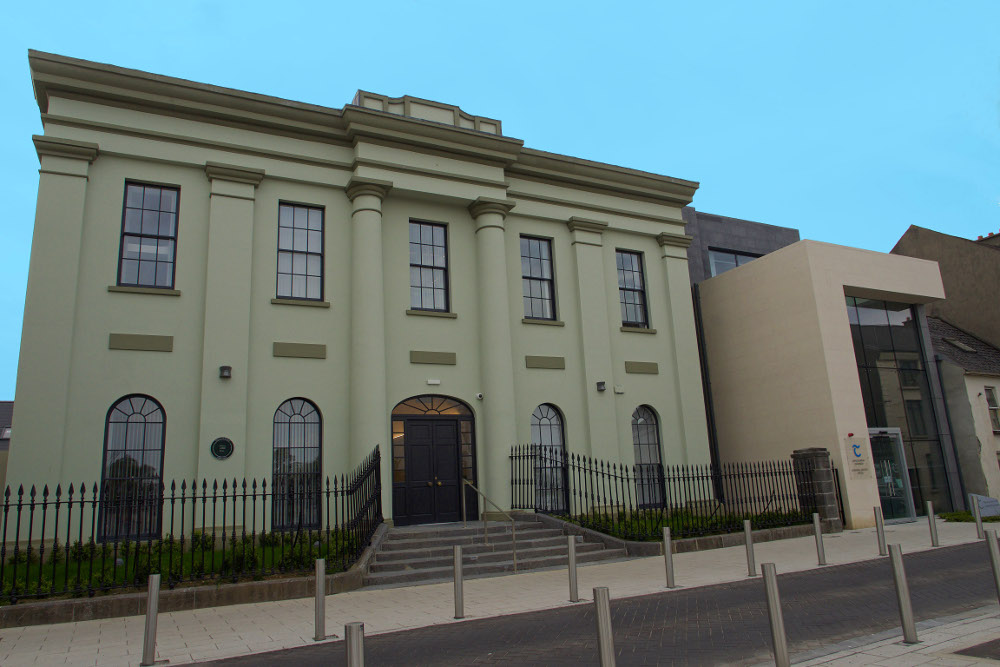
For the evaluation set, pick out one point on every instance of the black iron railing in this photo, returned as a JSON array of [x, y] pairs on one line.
[[86, 539], [637, 502]]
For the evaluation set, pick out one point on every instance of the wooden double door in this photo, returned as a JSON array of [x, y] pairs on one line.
[[431, 488]]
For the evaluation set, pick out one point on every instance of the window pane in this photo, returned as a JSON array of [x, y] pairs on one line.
[[314, 265], [130, 271], [299, 286], [168, 200], [426, 235], [147, 273], [147, 249], [315, 219], [313, 288], [315, 242], [133, 198], [439, 299], [285, 216], [427, 297], [438, 236], [439, 257], [284, 262], [300, 240], [414, 297], [284, 285], [427, 255], [133, 220], [166, 224], [152, 199], [165, 251], [150, 222], [163, 271], [414, 233], [285, 238], [300, 217], [298, 263], [131, 247]]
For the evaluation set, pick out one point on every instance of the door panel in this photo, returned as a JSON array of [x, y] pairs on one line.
[[446, 502], [419, 472], [891, 475]]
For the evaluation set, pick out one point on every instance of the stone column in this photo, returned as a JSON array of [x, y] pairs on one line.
[[596, 324], [497, 431], [692, 421], [227, 318], [814, 477], [49, 311], [369, 412]]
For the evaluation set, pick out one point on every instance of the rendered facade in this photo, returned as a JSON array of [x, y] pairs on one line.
[[818, 345], [311, 282]]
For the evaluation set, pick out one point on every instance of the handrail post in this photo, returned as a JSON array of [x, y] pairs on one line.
[[464, 515], [513, 524]]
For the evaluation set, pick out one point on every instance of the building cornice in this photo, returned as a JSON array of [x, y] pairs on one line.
[[674, 240], [234, 173], [79, 150], [59, 76]]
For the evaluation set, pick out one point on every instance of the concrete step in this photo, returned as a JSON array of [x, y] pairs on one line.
[[476, 569], [472, 549], [458, 529], [446, 560], [393, 543]]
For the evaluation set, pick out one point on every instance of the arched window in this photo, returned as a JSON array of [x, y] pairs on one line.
[[648, 467], [298, 441], [131, 476], [550, 460]]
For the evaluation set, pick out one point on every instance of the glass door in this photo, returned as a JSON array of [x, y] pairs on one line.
[[891, 474]]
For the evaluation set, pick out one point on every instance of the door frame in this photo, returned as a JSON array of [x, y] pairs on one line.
[[895, 435], [471, 498]]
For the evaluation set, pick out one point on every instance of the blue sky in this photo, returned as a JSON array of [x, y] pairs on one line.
[[847, 120]]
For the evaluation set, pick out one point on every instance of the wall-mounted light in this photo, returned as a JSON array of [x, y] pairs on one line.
[[225, 372], [602, 385]]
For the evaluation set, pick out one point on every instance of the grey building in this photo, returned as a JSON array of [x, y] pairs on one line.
[[719, 243]]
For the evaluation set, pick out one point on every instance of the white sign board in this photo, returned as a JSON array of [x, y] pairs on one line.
[[987, 506], [858, 458]]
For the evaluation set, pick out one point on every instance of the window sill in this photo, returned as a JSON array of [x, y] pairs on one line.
[[642, 330], [160, 291], [300, 302], [433, 313], [534, 320]]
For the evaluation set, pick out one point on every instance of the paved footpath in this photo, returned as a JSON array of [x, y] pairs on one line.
[[725, 623], [240, 630]]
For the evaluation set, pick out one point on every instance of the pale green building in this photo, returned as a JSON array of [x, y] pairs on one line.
[[311, 282]]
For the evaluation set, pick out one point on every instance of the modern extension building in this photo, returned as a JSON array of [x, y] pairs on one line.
[[298, 284]]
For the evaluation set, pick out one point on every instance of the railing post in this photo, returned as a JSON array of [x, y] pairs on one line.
[[152, 608], [991, 542], [880, 532], [818, 529], [354, 643], [574, 595], [778, 638], [459, 596], [668, 557], [748, 537], [462, 487], [976, 512], [320, 634], [902, 595], [932, 524], [605, 640]]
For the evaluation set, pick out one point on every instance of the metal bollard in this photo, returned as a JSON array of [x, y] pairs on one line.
[[991, 542], [668, 557], [818, 529], [932, 523], [574, 595], [880, 531], [605, 640], [459, 597], [354, 642], [979, 517], [320, 634], [152, 608], [778, 638], [903, 595], [748, 536]]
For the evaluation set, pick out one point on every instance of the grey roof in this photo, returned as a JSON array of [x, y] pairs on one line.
[[955, 345], [6, 413]]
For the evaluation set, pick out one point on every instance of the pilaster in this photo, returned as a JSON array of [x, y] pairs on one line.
[[692, 422], [50, 306], [369, 404], [595, 333], [227, 318], [497, 422]]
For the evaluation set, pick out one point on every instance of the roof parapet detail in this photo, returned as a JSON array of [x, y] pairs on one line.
[[436, 112]]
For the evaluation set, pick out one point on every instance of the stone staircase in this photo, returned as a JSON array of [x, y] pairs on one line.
[[424, 554]]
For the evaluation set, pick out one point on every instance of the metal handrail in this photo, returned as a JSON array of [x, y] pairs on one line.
[[486, 534]]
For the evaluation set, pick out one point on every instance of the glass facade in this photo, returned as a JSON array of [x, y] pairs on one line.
[[896, 392]]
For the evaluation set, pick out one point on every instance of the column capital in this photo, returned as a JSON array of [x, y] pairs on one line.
[[586, 224], [80, 150], [234, 173], [484, 205], [674, 240], [367, 186]]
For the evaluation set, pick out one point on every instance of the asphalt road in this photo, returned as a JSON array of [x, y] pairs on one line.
[[726, 623]]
